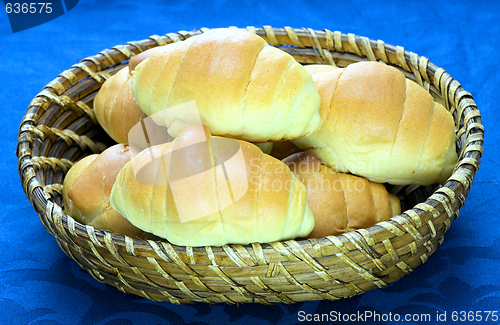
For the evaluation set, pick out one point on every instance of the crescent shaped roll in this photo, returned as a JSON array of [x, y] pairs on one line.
[[208, 191], [87, 187], [382, 126], [115, 107], [341, 202], [242, 87]]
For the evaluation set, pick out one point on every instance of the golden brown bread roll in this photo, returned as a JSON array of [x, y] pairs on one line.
[[242, 87], [87, 188], [115, 107], [136, 59], [201, 190], [341, 202], [382, 126]]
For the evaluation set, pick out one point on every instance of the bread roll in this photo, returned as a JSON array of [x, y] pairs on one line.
[[136, 59], [242, 87], [341, 202], [200, 190], [87, 187], [115, 107], [381, 126], [319, 68]]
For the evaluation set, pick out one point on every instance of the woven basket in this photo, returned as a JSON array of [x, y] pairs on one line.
[[60, 128]]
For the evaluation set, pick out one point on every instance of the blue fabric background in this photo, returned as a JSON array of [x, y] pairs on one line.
[[40, 285]]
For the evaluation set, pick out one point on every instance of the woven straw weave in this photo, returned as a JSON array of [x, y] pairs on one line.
[[60, 128]]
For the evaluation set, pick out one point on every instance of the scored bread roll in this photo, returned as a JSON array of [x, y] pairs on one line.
[[87, 187], [382, 126], [241, 87], [136, 59], [200, 190], [341, 202], [115, 107]]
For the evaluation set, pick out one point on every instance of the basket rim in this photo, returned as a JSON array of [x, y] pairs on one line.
[[331, 48]]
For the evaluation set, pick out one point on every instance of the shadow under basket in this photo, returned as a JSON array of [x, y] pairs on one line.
[[60, 128]]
